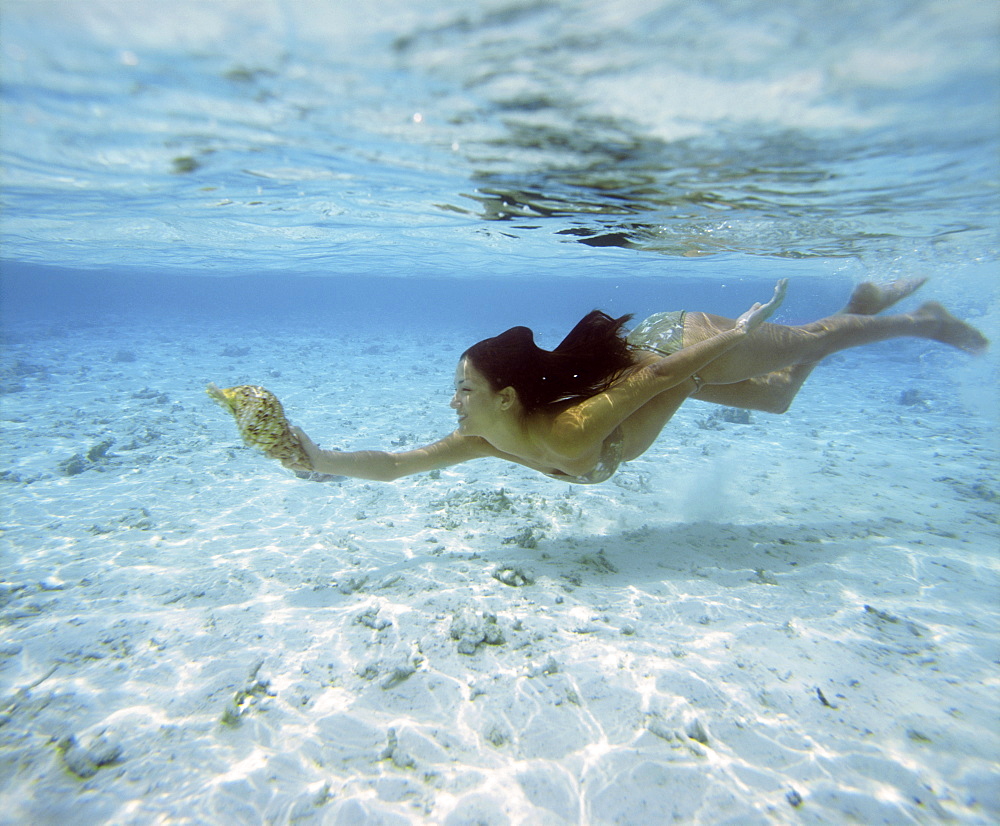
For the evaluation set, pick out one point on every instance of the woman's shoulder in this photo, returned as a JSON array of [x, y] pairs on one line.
[[577, 425]]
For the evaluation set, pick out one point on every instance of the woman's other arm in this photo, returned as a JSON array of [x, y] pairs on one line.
[[595, 418]]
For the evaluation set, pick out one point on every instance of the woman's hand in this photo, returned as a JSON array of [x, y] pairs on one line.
[[759, 313], [311, 449]]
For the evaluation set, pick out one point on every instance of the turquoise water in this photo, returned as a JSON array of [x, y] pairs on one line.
[[335, 199]]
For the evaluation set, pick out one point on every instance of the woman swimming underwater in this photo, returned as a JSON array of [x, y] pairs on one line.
[[602, 397]]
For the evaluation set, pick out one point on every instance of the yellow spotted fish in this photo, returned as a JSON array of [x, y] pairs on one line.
[[261, 421]]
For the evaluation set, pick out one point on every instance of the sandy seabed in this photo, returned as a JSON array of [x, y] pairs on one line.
[[790, 620]]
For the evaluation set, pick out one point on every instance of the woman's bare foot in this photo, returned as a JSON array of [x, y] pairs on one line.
[[950, 330], [869, 298]]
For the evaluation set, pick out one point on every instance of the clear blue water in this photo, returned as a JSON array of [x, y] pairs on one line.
[[718, 141], [269, 191]]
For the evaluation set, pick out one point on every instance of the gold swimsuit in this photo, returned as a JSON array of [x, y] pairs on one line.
[[661, 333]]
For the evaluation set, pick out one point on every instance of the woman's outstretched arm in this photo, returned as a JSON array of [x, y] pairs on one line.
[[380, 466]]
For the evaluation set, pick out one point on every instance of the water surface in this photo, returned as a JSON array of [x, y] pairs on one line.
[[530, 138]]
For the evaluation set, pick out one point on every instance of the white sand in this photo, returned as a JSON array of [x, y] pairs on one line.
[[793, 620]]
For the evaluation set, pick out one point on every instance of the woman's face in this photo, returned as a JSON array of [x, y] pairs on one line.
[[475, 401]]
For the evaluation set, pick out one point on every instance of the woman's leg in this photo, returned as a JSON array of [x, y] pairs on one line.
[[767, 371], [774, 392]]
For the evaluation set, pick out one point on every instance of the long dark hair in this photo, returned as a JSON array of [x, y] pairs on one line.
[[584, 363]]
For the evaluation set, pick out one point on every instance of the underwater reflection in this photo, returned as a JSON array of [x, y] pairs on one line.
[[788, 195]]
